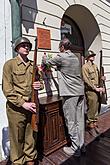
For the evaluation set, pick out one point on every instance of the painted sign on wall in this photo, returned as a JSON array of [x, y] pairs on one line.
[[43, 38]]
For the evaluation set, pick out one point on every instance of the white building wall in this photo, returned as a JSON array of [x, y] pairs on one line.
[[53, 10], [5, 54], [102, 15]]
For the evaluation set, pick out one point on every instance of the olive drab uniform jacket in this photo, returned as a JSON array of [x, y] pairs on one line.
[[17, 81], [90, 75]]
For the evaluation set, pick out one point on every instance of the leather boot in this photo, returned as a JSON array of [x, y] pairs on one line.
[[95, 124], [30, 163], [90, 125]]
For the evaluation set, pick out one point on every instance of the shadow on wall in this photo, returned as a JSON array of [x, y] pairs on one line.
[[47, 81], [48, 77], [5, 142], [29, 11]]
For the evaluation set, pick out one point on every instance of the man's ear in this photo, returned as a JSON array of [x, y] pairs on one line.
[[62, 46], [17, 48]]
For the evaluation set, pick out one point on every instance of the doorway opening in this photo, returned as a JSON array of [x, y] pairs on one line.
[[70, 30]]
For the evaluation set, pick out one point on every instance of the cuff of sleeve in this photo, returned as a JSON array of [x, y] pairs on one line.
[[94, 88], [42, 86], [21, 103]]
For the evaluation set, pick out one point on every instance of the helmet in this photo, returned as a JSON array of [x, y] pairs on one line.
[[89, 53], [20, 40]]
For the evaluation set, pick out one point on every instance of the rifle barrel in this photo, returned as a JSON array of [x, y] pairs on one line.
[[35, 116]]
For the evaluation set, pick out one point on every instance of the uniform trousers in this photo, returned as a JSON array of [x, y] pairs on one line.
[[73, 108], [22, 141], [93, 105]]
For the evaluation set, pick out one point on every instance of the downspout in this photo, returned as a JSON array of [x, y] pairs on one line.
[[16, 20]]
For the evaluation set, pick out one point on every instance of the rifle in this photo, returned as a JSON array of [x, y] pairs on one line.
[[35, 116], [103, 96]]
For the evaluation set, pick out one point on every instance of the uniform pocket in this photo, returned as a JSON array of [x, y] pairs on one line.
[[92, 75], [19, 76]]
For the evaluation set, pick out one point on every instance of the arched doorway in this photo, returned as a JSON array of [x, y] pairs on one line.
[[83, 21], [70, 30]]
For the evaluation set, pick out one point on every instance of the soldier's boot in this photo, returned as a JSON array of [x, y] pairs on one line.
[[30, 163]]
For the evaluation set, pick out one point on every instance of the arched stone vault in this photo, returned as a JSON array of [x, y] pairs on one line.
[[86, 22]]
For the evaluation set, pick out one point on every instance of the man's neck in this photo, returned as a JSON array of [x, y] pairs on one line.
[[23, 58], [91, 61]]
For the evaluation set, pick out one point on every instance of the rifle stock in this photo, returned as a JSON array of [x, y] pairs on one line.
[[102, 82], [35, 116]]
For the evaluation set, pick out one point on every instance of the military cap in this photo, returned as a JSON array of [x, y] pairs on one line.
[[21, 40], [89, 53]]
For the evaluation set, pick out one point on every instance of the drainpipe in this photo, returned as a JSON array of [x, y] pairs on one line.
[[16, 20]]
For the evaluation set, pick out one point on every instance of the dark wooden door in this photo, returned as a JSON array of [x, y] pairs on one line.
[[70, 30]]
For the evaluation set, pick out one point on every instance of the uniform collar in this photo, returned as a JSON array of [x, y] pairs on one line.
[[19, 61], [90, 63]]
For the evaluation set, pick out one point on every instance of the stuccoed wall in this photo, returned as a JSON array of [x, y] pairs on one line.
[[52, 11], [5, 54], [102, 15]]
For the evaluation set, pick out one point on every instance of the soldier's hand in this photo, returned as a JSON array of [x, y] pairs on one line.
[[97, 89], [30, 106], [103, 78], [36, 85], [103, 90]]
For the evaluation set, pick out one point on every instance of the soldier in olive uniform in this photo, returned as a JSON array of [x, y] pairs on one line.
[[17, 87], [90, 75]]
